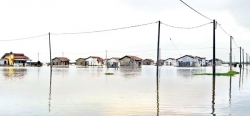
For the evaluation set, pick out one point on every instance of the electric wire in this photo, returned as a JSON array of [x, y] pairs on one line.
[[25, 38], [196, 10], [98, 31], [186, 27], [223, 30], [175, 46]]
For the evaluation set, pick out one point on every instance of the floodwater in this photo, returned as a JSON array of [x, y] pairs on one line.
[[130, 91]]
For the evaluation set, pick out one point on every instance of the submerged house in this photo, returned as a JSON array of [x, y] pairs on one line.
[[60, 61], [113, 62], [148, 62], [14, 59], [129, 60], [161, 62], [81, 61], [191, 61], [94, 61], [218, 62], [3, 62], [170, 62]]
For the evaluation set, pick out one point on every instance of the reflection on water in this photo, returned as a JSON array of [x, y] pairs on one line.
[[89, 91], [14, 72], [213, 96], [189, 72]]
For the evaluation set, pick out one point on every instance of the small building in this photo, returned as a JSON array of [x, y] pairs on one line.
[[81, 61], [170, 62], [60, 61], [191, 61], [161, 62], [15, 59], [3, 62], [129, 60], [148, 62], [113, 62], [94, 61], [218, 62]]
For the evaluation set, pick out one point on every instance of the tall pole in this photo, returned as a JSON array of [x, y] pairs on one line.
[[158, 47], [230, 53], [243, 57], [50, 54], [214, 48], [240, 57]]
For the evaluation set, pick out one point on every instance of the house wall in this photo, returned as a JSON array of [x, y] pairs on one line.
[[3, 62], [130, 62], [170, 62], [193, 61], [59, 62], [10, 58], [112, 61], [147, 62], [93, 62], [80, 62]]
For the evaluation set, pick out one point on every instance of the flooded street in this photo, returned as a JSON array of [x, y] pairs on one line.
[[130, 91]]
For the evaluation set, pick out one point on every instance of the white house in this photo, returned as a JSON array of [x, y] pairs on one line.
[[94, 61], [191, 61], [3, 62], [113, 62], [170, 62]]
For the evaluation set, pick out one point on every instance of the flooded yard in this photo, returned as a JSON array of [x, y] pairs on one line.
[[130, 91]]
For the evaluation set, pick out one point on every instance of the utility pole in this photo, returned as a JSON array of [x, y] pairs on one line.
[[243, 58], [214, 27], [240, 57], [230, 53], [50, 53], [158, 47]]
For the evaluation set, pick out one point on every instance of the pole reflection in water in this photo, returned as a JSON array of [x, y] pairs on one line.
[[157, 96], [213, 96], [50, 89], [230, 85], [240, 79]]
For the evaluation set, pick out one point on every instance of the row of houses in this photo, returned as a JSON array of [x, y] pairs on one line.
[[19, 59]]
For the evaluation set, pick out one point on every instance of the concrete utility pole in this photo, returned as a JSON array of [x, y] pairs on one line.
[[240, 58], [243, 58], [158, 52], [230, 64], [50, 54], [214, 27]]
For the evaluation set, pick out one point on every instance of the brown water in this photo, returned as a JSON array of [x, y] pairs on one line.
[[130, 91]]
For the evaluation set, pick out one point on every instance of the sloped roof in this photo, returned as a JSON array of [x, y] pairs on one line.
[[133, 57], [192, 57], [149, 60], [99, 59], [80, 58], [171, 59], [16, 55], [116, 58], [62, 59]]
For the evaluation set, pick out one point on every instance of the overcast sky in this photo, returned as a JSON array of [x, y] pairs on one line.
[[21, 19]]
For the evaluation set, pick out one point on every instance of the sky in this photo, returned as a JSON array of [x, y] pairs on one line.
[[29, 18]]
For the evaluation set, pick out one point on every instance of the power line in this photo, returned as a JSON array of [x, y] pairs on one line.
[[196, 10], [25, 38], [186, 27], [105, 29], [223, 30], [175, 46], [235, 43]]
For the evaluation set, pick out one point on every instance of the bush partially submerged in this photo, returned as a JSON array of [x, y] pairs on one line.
[[229, 73]]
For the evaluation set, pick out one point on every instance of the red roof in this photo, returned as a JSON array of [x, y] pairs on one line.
[[149, 60], [62, 58], [17, 55]]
